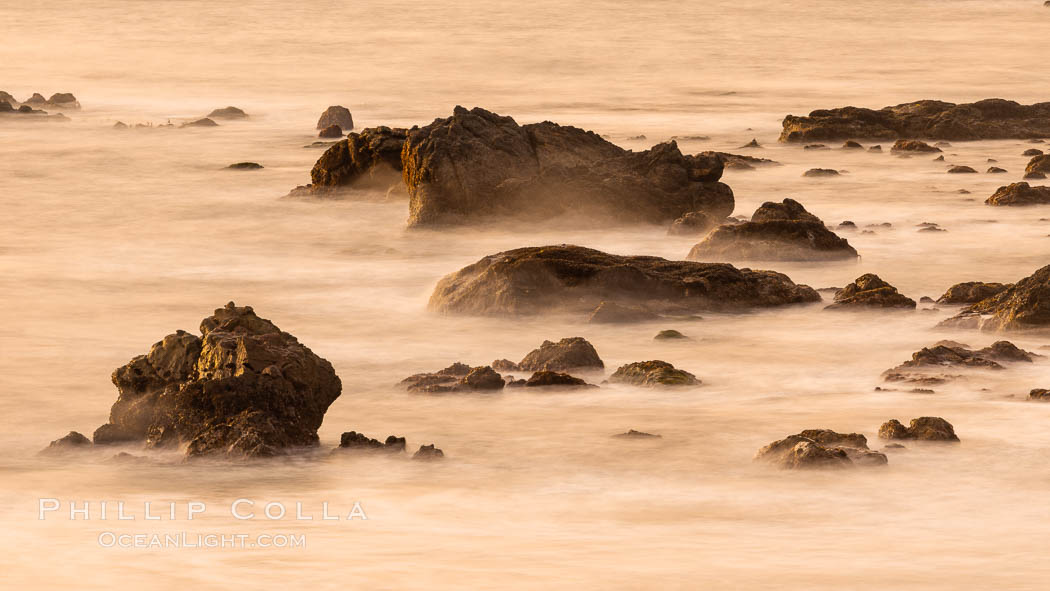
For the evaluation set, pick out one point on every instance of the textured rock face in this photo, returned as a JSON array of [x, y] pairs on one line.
[[332, 131], [476, 166], [870, 291], [913, 146], [653, 373], [949, 354], [971, 292], [1020, 194], [987, 119], [458, 377], [1039, 164], [551, 379], [354, 441], [777, 232], [370, 159], [921, 429], [336, 115], [1023, 306], [536, 280], [245, 388], [570, 353], [802, 453]]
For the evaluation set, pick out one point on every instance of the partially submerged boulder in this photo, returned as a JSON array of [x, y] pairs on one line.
[[613, 313], [205, 122], [961, 170], [777, 232], [1040, 394], [354, 441], [555, 379], [228, 113], [569, 353], [1039, 164], [820, 448], [820, 172], [245, 166], [428, 453], [336, 115], [1020, 194], [653, 373], [928, 119], [332, 131], [694, 223], [1025, 305], [244, 388], [632, 434], [921, 429], [538, 280], [72, 441], [926, 364], [670, 335], [913, 146], [870, 291], [457, 377], [971, 292]]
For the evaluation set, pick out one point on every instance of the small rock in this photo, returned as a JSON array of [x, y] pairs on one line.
[[752, 144], [245, 166], [870, 291], [428, 453], [1032, 152], [961, 170], [913, 146], [815, 147], [570, 353], [821, 172], [875, 148], [632, 434], [670, 334], [653, 373], [921, 429], [613, 313], [548, 379], [73, 440], [852, 145], [201, 123], [332, 131], [336, 115], [228, 113], [996, 170]]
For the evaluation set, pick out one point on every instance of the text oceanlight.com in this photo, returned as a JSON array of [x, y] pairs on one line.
[[186, 540]]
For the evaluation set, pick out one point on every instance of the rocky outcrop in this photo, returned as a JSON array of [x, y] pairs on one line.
[[870, 291], [332, 131], [354, 441], [913, 146], [244, 388], [1023, 306], [1020, 194], [921, 429], [613, 313], [555, 379], [370, 159], [227, 113], [927, 364], [538, 280], [428, 453], [928, 119], [201, 123], [777, 232], [570, 353], [971, 292], [1038, 164], [653, 373], [336, 115], [820, 448], [71, 442], [694, 223], [457, 377], [476, 166]]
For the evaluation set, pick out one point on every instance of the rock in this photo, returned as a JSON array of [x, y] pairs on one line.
[[120, 125], [1040, 394], [1022, 306], [354, 441], [227, 113], [201, 123], [996, 170], [829, 438], [5, 107], [870, 291], [1039, 164], [1034, 176], [36, 99], [694, 223], [551, 379], [932, 228], [961, 170], [71, 441], [847, 225], [913, 146], [569, 353], [737, 161], [245, 166], [245, 388], [428, 453], [777, 231], [1020, 194], [336, 115], [875, 148], [504, 365], [540, 280], [653, 373], [945, 354], [939, 158], [1032, 152], [632, 434], [816, 172], [986, 119], [613, 313], [921, 429], [796, 453], [370, 159], [8, 98], [332, 131], [476, 167], [971, 292], [483, 378], [815, 147], [457, 377], [670, 335], [852, 145], [752, 144]]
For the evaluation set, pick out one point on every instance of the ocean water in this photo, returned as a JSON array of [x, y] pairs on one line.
[[113, 239]]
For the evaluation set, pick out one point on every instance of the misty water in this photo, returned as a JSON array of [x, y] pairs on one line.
[[113, 239]]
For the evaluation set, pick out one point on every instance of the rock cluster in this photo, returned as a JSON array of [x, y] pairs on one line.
[[457, 377], [820, 448], [920, 429], [971, 292], [870, 291], [1020, 194], [653, 373], [926, 363], [1025, 305]]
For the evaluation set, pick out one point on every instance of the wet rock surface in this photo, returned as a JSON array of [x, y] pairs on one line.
[[870, 291], [1039, 164], [555, 379], [920, 429], [971, 292], [336, 115], [653, 373], [354, 441], [569, 353], [332, 131], [1020, 194], [1023, 306]]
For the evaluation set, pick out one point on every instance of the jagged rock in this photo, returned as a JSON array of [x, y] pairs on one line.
[[569, 353], [537, 280], [819, 172], [332, 131], [613, 313], [777, 231], [245, 166], [370, 159], [36, 99], [1032, 152], [1023, 306], [961, 170], [797, 452], [228, 113], [352, 440], [551, 379], [632, 434], [428, 453], [505, 365], [201, 123], [830, 438], [1039, 164], [870, 291], [852, 145], [922, 429], [336, 115], [73, 440], [946, 354], [457, 377], [1040, 394], [669, 335], [913, 146], [987, 119], [693, 223], [477, 166], [245, 388], [752, 144], [1020, 194], [971, 292], [653, 373]]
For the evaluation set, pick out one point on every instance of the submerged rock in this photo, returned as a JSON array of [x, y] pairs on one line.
[[632, 434], [201, 123], [555, 379], [796, 452], [913, 146], [428, 453], [921, 429], [1039, 164], [996, 170], [370, 159], [870, 291], [928, 119], [538, 280], [332, 131], [653, 373], [245, 166], [961, 170], [820, 172], [228, 113], [72, 441], [354, 441], [669, 335], [852, 145], [926, 363], [694, 223], [457, 377], [777, 232], [613, 313], [569, 353], [1040, 394], [1032, 152], [1020, 194], [245, 388], [336, 115], [971, 292], [1025, 305]]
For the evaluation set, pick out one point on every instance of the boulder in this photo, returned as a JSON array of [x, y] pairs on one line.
[[1039, 164], [554, 379], [653, 373], [228, 113], [200, 123], [1032, 152], [777, 232], [245, 388], [457, 377], [36, 99], [72, 441], [1040, 394], [926, 363], [670, 335], [971, 292], [336, 115], [504, 365], [354, 441], [821, 172], [9, 99], [870, 291], [613, 313], [570, 353], [63, 100], [245, 166], [539, 280], [1020, 194], [961, 170], [928, 119], [1025, 305], [632, 434], [739, 160], [694, 223], [798, 453], [428, 453], [370, 159], [996, 170], [913, 146], [1034, 176], [852, 145], [332, 131], [921, 429]]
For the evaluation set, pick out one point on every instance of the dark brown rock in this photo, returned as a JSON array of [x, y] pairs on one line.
[[870, 291], [332, 131], [670, 335], [1020, 194], [694, 223], [653, 373], [554, 379], [457, 377], [370, 159], [632, 434], [1040, 394], [996, 170], [820, 172], [961, 170], [971, 292], [569, 353], [72, 441], [925, 365], [921, 429], [913, 146], [1023, 306], [1032, 152], [1039, 164], [354, 441], [245, 166], [228, 113], [613, 313], [802, 453], [336, 115], [428, 453], [201, 123]]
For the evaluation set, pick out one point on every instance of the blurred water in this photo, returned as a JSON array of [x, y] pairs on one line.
[[114, 239]]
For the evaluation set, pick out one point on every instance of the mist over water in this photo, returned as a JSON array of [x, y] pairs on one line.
[[113, 239]]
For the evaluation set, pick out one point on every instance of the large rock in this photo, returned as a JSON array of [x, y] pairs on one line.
[[927, 364], [821, 448], [570, 353], [228, 113], [921, 429], [1023, 306], [370, 159], [537, 280], [870, 291], [777, 232], [477, 166], [913, 146], [971, 292], [71, 442], [245, 388], [1020, 194], [336, 115], [928, 119], [1039, 164], [653, 373]]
